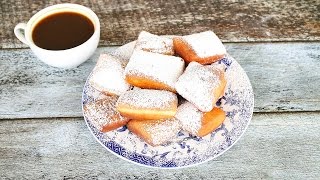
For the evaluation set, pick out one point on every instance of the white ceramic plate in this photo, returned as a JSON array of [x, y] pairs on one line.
[[237, 102]]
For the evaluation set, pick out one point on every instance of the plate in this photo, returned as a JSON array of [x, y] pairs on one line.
[[187, 150]]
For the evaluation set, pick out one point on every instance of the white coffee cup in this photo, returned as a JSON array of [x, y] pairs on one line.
[[68, 58]]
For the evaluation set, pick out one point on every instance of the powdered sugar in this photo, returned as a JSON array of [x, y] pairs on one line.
[[189, 117], [108, 75], [162, 131], [124, 53], [158, 67], [197, 85], [103, 112], [147, 98], [205, 44], [153, 43]]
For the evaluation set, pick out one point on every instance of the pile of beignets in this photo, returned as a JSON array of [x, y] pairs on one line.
[[143, 94]]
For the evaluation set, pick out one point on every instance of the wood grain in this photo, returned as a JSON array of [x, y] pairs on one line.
[[275, 146], [285, 77], [233, 21], [30, 88]]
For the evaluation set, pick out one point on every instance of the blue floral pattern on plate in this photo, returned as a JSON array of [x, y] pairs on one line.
[[185, 150]]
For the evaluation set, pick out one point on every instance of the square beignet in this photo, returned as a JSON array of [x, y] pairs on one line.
[[146, 104], [154, 43], [155, 132], [153, 71], [202, 85], [103, 114], [204, 47], [108, 76], [199, 123]]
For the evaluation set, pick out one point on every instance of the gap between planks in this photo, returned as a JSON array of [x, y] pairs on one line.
[[72, 118]]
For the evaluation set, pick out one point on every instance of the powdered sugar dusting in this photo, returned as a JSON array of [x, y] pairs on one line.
[[158, 67], [237, 102], [124, 53], [205, 44], [189, 117], [103, 112], [153, 43], [197, 85], [108, 75], [163, 131], [147, 98]]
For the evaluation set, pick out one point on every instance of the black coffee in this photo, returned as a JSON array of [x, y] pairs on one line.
[[63, 30]]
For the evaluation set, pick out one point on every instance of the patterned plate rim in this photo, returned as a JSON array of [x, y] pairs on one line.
[[176, 167]]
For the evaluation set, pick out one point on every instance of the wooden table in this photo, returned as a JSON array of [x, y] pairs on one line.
[[42, 131]]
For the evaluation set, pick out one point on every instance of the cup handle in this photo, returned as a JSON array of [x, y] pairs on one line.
[[19, 31]]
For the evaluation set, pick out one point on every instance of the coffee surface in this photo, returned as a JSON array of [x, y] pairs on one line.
[[62, 31]]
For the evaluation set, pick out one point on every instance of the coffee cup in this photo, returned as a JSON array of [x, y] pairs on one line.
[[49, 52]]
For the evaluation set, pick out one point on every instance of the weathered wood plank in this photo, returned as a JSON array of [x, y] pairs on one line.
[[275, 146], [233, 21], [30, 88], [284, 76]]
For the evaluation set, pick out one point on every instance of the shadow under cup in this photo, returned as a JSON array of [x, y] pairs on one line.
[[66, 48]]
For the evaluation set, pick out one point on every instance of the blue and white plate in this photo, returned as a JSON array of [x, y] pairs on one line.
[[186, 150]]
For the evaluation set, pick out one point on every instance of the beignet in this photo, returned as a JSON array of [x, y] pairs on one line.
[[153, 71], [204, 47], [108, 76], [201, 85], [198, 123], [146, 104], [103, 114], [154, 43], [155, 132]]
